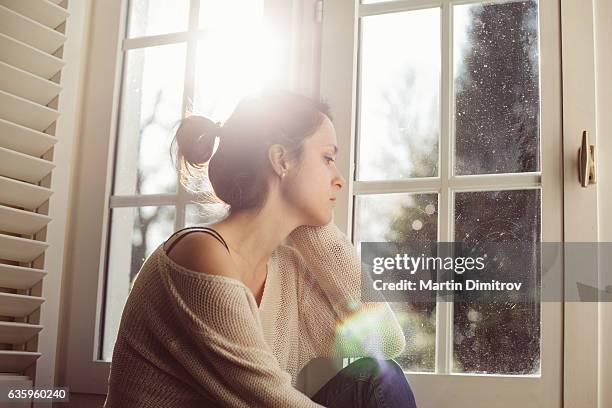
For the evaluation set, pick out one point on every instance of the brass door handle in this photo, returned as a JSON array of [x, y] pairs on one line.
[[586, 161]]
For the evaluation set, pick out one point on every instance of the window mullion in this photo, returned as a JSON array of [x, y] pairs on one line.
[[188, 92], [444, 309], [396, 6], [155, 40], [143, 200]]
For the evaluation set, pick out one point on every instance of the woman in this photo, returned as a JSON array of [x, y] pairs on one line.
[[228, 315]]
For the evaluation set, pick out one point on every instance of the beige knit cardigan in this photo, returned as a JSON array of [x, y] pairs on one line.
[[189, 339]]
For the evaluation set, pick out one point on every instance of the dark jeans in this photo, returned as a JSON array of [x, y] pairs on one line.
[[367, 382]]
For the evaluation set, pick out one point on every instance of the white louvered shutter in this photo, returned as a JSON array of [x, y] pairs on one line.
[[31, 39]]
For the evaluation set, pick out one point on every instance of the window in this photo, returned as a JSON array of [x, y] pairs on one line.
[[445, 117], [495, 122], [186, 56]]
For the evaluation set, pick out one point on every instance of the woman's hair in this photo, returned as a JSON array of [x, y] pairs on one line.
[[239, 167]]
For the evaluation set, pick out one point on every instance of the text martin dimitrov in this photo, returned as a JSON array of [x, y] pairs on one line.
[[458, 264], [469, 284]]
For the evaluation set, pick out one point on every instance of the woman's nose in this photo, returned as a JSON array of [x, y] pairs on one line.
[[339, 181]]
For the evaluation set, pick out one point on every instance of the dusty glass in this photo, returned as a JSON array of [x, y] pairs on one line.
[[202, 214], [154, 17], [399, 95], [497, 94], [236, 56], [135, 232], [404, 218], [151, 104], [496, 335]]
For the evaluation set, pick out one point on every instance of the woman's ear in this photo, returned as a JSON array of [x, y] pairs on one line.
[[278, 156]]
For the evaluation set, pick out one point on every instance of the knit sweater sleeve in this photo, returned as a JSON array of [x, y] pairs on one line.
[[337, 321], [222, 347]]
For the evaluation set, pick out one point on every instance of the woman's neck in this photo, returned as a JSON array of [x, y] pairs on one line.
[[253, 235]]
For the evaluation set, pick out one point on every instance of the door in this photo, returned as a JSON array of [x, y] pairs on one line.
[[448, 115]]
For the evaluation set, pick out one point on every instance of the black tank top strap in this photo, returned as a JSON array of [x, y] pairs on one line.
[[189, 230], [215, 234]]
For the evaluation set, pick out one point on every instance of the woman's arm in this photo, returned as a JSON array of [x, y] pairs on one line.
[[336, 319], [222, 347]]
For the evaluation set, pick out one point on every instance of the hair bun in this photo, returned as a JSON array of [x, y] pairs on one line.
[[195, 138]]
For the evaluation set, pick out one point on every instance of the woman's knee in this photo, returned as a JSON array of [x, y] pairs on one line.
[[375, 367], [389, 379]]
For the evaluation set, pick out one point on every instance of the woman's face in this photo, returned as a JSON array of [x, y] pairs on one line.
[[313, 186]]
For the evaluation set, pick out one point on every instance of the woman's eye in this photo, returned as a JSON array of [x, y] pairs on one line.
[[329, 159]]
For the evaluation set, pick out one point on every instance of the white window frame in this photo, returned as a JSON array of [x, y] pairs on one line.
[[581, 326], [339, 84], [582, 337], [603, 37], [82, 371]]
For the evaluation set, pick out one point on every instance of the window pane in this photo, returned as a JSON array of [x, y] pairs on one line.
[[151, 105], [154, 17], [404, 218], [134, 235], [495, 335], [203, 214], [496, 88], [399, 85], [221, 15], [237, 56]]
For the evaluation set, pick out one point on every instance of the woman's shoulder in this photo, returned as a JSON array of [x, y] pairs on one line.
[[200, 253]]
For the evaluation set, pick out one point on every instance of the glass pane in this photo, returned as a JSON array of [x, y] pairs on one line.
[[238, 55], [221, 15], [154, 17], [203, 214], [497, 93], [205, 207], [134, 235], [493, 334], [399, 101], [151, 105], [404, 218]]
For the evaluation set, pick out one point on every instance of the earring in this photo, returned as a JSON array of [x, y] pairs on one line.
[[283, 174]]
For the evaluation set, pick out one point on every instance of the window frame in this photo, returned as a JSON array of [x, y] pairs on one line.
[[81, 368], [339, 84]]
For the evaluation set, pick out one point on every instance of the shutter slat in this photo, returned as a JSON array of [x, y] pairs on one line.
[[19, 277], [24, 140], [28, 58], [14, 382], [31, 51], [21, 222], [42, 11], [23, 112], [26, 85], [23, 167], [15, 379], [18, 333], [12, 305], [20, 194], [15, 361], [20, 249], [29, 31]]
